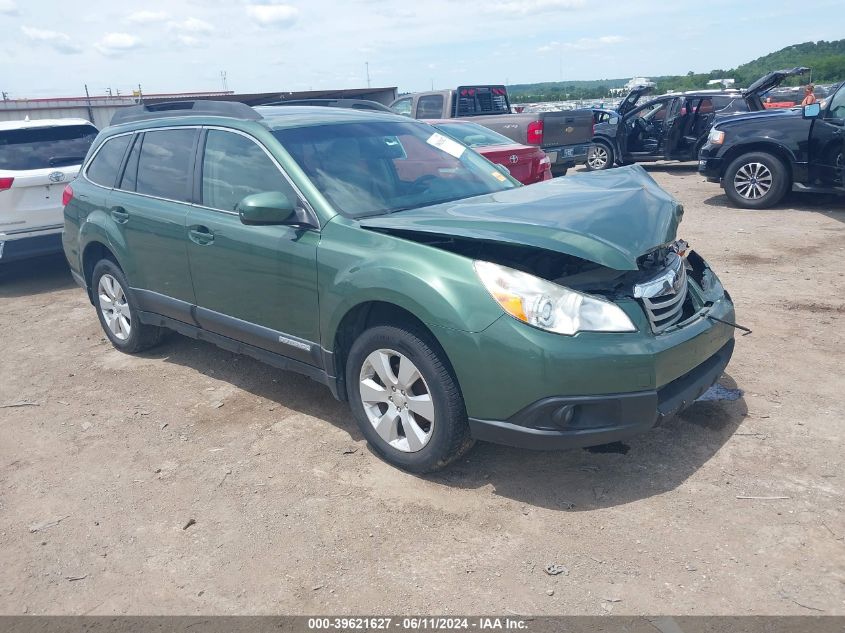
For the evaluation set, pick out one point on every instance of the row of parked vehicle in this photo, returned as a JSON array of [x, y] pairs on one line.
[[387, 259]]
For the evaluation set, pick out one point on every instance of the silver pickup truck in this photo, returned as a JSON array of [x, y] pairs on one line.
[[564, 136]]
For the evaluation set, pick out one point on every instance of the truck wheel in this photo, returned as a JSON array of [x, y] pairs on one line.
[[117, 310], [405, 399], [756, 180], [557, 172], [599, 157]]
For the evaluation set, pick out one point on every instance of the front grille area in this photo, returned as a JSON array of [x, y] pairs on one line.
[[664, 302], [666, 310]]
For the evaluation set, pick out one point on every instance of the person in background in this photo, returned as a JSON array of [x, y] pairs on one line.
[[809, 97]]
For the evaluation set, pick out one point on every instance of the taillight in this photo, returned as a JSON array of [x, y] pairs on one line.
[[6, 183], [535, 132], [67, 195]]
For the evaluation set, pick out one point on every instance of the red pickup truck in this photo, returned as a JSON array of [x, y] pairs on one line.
[[564, 136]]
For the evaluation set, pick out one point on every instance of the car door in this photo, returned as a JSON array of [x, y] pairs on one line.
[[686, 119], [641, 133], [827, 136], [255, 284], [150, 206]]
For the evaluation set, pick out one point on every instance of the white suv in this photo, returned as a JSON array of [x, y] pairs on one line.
[[37, 159]]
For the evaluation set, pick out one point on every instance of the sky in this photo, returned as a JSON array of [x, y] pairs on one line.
[[50, 48]]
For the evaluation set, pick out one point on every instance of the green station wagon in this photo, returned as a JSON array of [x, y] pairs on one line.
[[446, 302]]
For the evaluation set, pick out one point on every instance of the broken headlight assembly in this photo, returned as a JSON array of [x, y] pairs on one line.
[[548, 306]]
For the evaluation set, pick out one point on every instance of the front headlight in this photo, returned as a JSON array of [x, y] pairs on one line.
[[716, 137], [547, 305]]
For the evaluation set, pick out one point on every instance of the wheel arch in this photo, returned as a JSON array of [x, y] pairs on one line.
[[776, 150], [366, 315]]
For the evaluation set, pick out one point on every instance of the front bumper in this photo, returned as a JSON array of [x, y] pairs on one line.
[[572, 422], [710, 168]]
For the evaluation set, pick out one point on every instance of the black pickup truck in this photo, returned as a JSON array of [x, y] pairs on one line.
[[564, 136], [758, 157]]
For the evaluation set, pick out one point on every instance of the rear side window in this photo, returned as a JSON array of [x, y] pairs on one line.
[[45, 147], [164, 164], [430, 107], [234, 167], [103, 169]]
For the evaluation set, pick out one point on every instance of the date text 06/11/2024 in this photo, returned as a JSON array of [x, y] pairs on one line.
[[417, 623]]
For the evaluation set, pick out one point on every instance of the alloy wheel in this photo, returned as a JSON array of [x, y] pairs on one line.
[[114, 307], [597, 157], [397, 400], [753, 181]]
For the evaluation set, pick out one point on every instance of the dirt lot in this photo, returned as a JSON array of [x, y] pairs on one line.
[[295, 515]]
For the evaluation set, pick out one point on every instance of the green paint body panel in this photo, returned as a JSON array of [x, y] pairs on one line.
[[303, 281]]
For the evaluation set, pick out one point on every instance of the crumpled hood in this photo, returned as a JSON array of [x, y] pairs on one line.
[[608, 217]]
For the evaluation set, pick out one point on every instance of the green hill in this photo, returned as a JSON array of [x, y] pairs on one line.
[[826, 59]]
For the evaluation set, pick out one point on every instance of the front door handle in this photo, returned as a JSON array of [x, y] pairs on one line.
[[200, 234], [119, 215]]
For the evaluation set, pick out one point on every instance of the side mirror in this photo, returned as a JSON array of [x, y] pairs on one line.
[[269, 207], [811, 111]]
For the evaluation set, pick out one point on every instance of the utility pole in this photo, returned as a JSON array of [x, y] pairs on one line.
[[367, 65], [432, 84], [224, 81], [5, 96], [90, 110]]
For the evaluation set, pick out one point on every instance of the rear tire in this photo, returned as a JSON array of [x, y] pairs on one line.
[[406, 400], [118, 312], [756, 180], [599, 156]]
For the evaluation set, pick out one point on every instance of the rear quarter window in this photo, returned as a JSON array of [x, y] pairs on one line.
[[45, 147], [106, 162]]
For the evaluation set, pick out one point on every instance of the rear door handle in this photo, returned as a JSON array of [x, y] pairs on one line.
[[200, 234], [119, 215]]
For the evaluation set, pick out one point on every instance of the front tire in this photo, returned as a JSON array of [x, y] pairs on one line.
[[118, 312], [599, 157], [406, 400], [756, 180]]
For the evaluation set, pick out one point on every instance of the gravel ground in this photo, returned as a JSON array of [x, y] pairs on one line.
[[101, 475]]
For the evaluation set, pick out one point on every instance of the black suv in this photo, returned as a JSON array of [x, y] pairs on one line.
[[757, 157], [672, 126]]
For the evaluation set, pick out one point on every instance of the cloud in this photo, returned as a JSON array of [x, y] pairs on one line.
[[193, 25], [60, 42], [525, 7], [146, 17], [8, 7], [273, 14], [112, 44], [583, 44], [189, 32]]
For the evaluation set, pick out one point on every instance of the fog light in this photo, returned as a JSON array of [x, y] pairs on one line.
[[564, 415]]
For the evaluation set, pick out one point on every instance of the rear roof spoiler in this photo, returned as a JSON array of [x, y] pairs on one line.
[[231, 109]]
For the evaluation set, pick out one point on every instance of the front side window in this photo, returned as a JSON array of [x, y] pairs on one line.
[[430, 107], [45, 147], [233, 167], [382, 167], [837, 104], [164, 163], [103, 168], [403, 106]]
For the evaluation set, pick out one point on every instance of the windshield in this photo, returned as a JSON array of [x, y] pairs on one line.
[[379, 167], [43, 147], [473, 135]]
